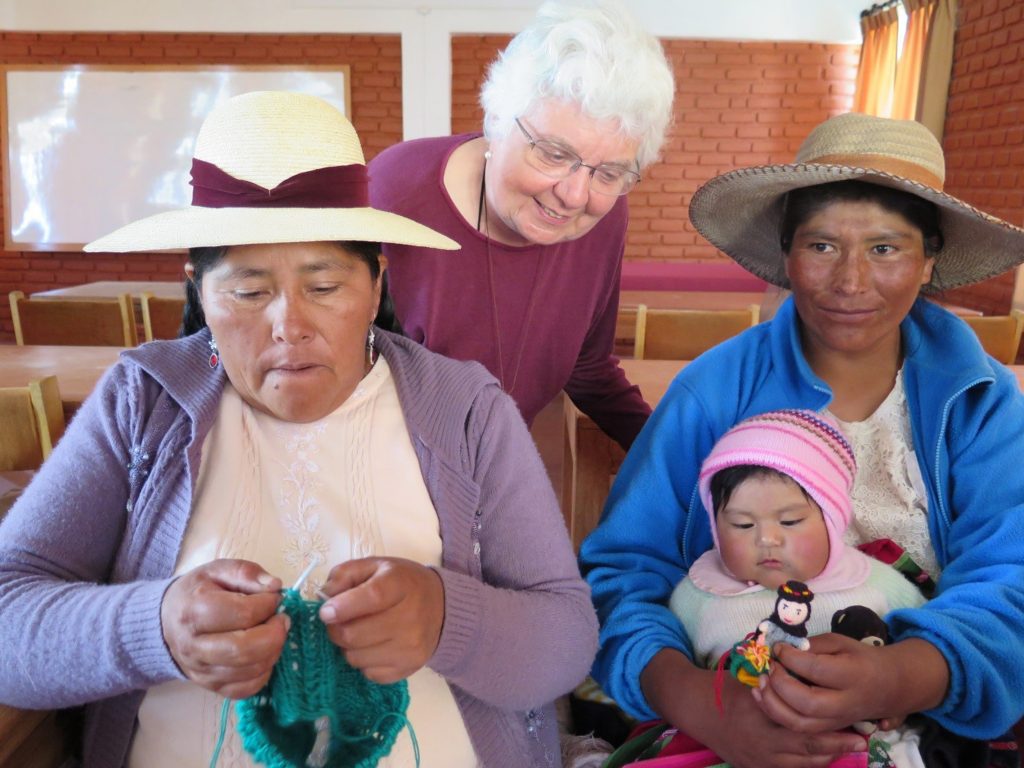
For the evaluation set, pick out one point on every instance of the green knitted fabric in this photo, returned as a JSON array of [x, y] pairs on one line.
[[312, 682]]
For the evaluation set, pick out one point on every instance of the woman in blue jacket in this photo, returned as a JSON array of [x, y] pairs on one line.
[[857, 228]]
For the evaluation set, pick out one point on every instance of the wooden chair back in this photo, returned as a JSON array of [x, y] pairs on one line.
[[161, 318], [625, 332], [74, 322], [31, 739], [682, 334], [31, 421], [999, 334]]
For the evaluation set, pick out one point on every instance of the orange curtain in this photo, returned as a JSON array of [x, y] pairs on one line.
[[925, 65], [911, 63], [937, 67], [876, 74]]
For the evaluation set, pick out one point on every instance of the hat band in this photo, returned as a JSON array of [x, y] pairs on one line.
[[337, 186], [884, 164]]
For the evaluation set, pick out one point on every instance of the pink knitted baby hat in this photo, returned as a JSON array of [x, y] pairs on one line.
[[805, 445]]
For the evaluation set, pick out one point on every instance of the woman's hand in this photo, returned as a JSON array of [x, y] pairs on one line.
[[740, 734], [220, 624], [848, 681], [386, 614]]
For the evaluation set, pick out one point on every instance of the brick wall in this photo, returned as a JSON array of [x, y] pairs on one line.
[[736, 104], [984, 135], [374, 66]]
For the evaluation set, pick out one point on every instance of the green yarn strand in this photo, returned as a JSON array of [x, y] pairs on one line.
[[223, 730]]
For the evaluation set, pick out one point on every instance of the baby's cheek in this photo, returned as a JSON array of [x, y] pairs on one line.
[[809, 556]]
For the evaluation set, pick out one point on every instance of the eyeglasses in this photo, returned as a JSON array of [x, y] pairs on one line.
[[557, 162]]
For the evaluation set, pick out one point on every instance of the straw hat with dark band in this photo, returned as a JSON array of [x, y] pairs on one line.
[[274, 167], [740, 212]]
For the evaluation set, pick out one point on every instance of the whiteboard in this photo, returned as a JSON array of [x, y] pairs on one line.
[[88, 149]]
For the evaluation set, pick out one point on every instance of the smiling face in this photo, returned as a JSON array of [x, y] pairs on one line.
[[291, 321], [855, 269], [792, 613], [770, 532], [524, 206]]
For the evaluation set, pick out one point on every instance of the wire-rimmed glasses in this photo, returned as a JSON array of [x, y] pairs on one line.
[[557, 162]]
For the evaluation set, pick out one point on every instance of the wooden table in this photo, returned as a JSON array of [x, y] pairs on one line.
[[591, 458], [691, 299], [77, 369], [725, 300], [767, 301], [111, 289]]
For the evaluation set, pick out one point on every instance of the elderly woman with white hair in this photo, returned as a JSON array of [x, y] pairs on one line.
[[575, 108], [288, 442]]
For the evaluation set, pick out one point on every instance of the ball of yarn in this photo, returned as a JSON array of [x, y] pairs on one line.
[[313, 690]]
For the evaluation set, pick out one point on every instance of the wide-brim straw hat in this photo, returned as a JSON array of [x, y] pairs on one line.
[[740, 212], [273, 167]]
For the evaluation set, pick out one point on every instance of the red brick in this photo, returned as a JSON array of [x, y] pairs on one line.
[[216, 51], [178, 51], [109, 52], [13, 47], [46, 49]]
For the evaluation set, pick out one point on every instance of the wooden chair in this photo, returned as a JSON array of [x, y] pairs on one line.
[[999, 334], [32, 421], [625, 332], [161, 318], [31, 739], [74, 322], [682, 334]]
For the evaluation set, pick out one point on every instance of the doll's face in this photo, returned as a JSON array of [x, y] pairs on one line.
[[791, 613], [770, 532]]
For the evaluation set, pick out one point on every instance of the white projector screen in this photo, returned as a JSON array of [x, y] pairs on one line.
[[88, 149]]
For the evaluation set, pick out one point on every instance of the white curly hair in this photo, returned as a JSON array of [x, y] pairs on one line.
[[593, 53]]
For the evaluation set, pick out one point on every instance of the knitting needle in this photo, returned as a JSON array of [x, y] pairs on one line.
[[313, 563]]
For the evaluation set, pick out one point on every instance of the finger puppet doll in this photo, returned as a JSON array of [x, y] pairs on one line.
[[751, 657], [864, 625], [788, 623], [861, 623]]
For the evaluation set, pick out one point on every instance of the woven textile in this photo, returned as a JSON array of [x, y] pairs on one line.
[[313, 689]]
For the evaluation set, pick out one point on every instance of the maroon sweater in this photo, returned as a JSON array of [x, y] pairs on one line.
[[553, 308]]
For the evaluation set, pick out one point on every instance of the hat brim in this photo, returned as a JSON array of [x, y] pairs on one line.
[[196, 227], [740, 213]]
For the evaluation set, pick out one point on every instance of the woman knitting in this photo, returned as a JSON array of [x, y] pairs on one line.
[[141, 573]]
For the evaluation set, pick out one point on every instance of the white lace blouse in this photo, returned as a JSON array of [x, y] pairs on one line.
[[889, 497]]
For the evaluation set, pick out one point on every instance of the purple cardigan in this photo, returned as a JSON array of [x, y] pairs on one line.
[[553, 307], [88, 550]]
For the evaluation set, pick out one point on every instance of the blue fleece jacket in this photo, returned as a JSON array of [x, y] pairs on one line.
[[967, 417]]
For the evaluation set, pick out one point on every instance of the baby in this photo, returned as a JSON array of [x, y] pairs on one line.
[[777, 489]]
